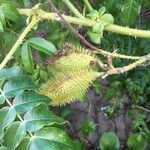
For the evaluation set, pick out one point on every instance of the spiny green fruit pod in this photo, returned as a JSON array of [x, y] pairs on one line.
[[72, 75], [73, 61], [67, 87]]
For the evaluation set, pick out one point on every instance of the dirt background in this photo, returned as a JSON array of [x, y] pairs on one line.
[[91, 109]]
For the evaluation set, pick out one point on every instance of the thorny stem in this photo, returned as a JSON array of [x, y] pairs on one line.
[[120, 70], [68, 19], [8, 102], [87, 22], [88, 5], [100, 51], [95, 49], [18, 42], [105, 53], [110, 71], [90, 23], [73, 9], [114, 70], [80, 21]]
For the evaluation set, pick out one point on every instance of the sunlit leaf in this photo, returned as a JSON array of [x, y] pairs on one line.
[[42, 45], [101, 11], [95, 37], [25, 144], [16, 86], [98, 28], [14, 135], [49, 138], [107, 18], [13, 72], [2, 99], [7, 116], [4, 148], [40, 116], [27, 100], [1, 27], [2, 17], [93, 14], [26, 58], [109, 141]]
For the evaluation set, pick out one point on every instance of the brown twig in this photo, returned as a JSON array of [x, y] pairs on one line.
[[110, 71], [72, 29]]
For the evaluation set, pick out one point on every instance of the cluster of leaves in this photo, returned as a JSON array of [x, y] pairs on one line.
[[138, 85], [27, 122], [97, 30], [25, 119]]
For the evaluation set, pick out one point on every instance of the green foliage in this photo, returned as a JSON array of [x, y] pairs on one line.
[[1, 27], [39, 44], [7, 116], [135, 144], [130, 11], [26, 120], [37, 118], [42, 45], [49, 138], [109, 141], [138, 83], [26, 57], [97, 30], [88, 127]]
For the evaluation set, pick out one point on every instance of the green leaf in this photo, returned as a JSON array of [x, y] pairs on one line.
[[53, 139], [16, 86], [93, 14], [1, 27], [107, 18], [2, 99], [44, 74], [26, 58], [2, 17], [7, 116], [111, 5], [13, 72], [98, 28], [95, 37], [40, 116], [7, 1], [42, 45], [14, 135], [49, 138], [88, 127], [4, 148], [101, 11], [130, 11], [134, 144], [109, 141], [10, 11], [25, 144], [146, 4], [27, 100]]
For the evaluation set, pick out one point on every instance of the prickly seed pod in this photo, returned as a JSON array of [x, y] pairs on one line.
[[66, 87], [72, 77], [73, 61]]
